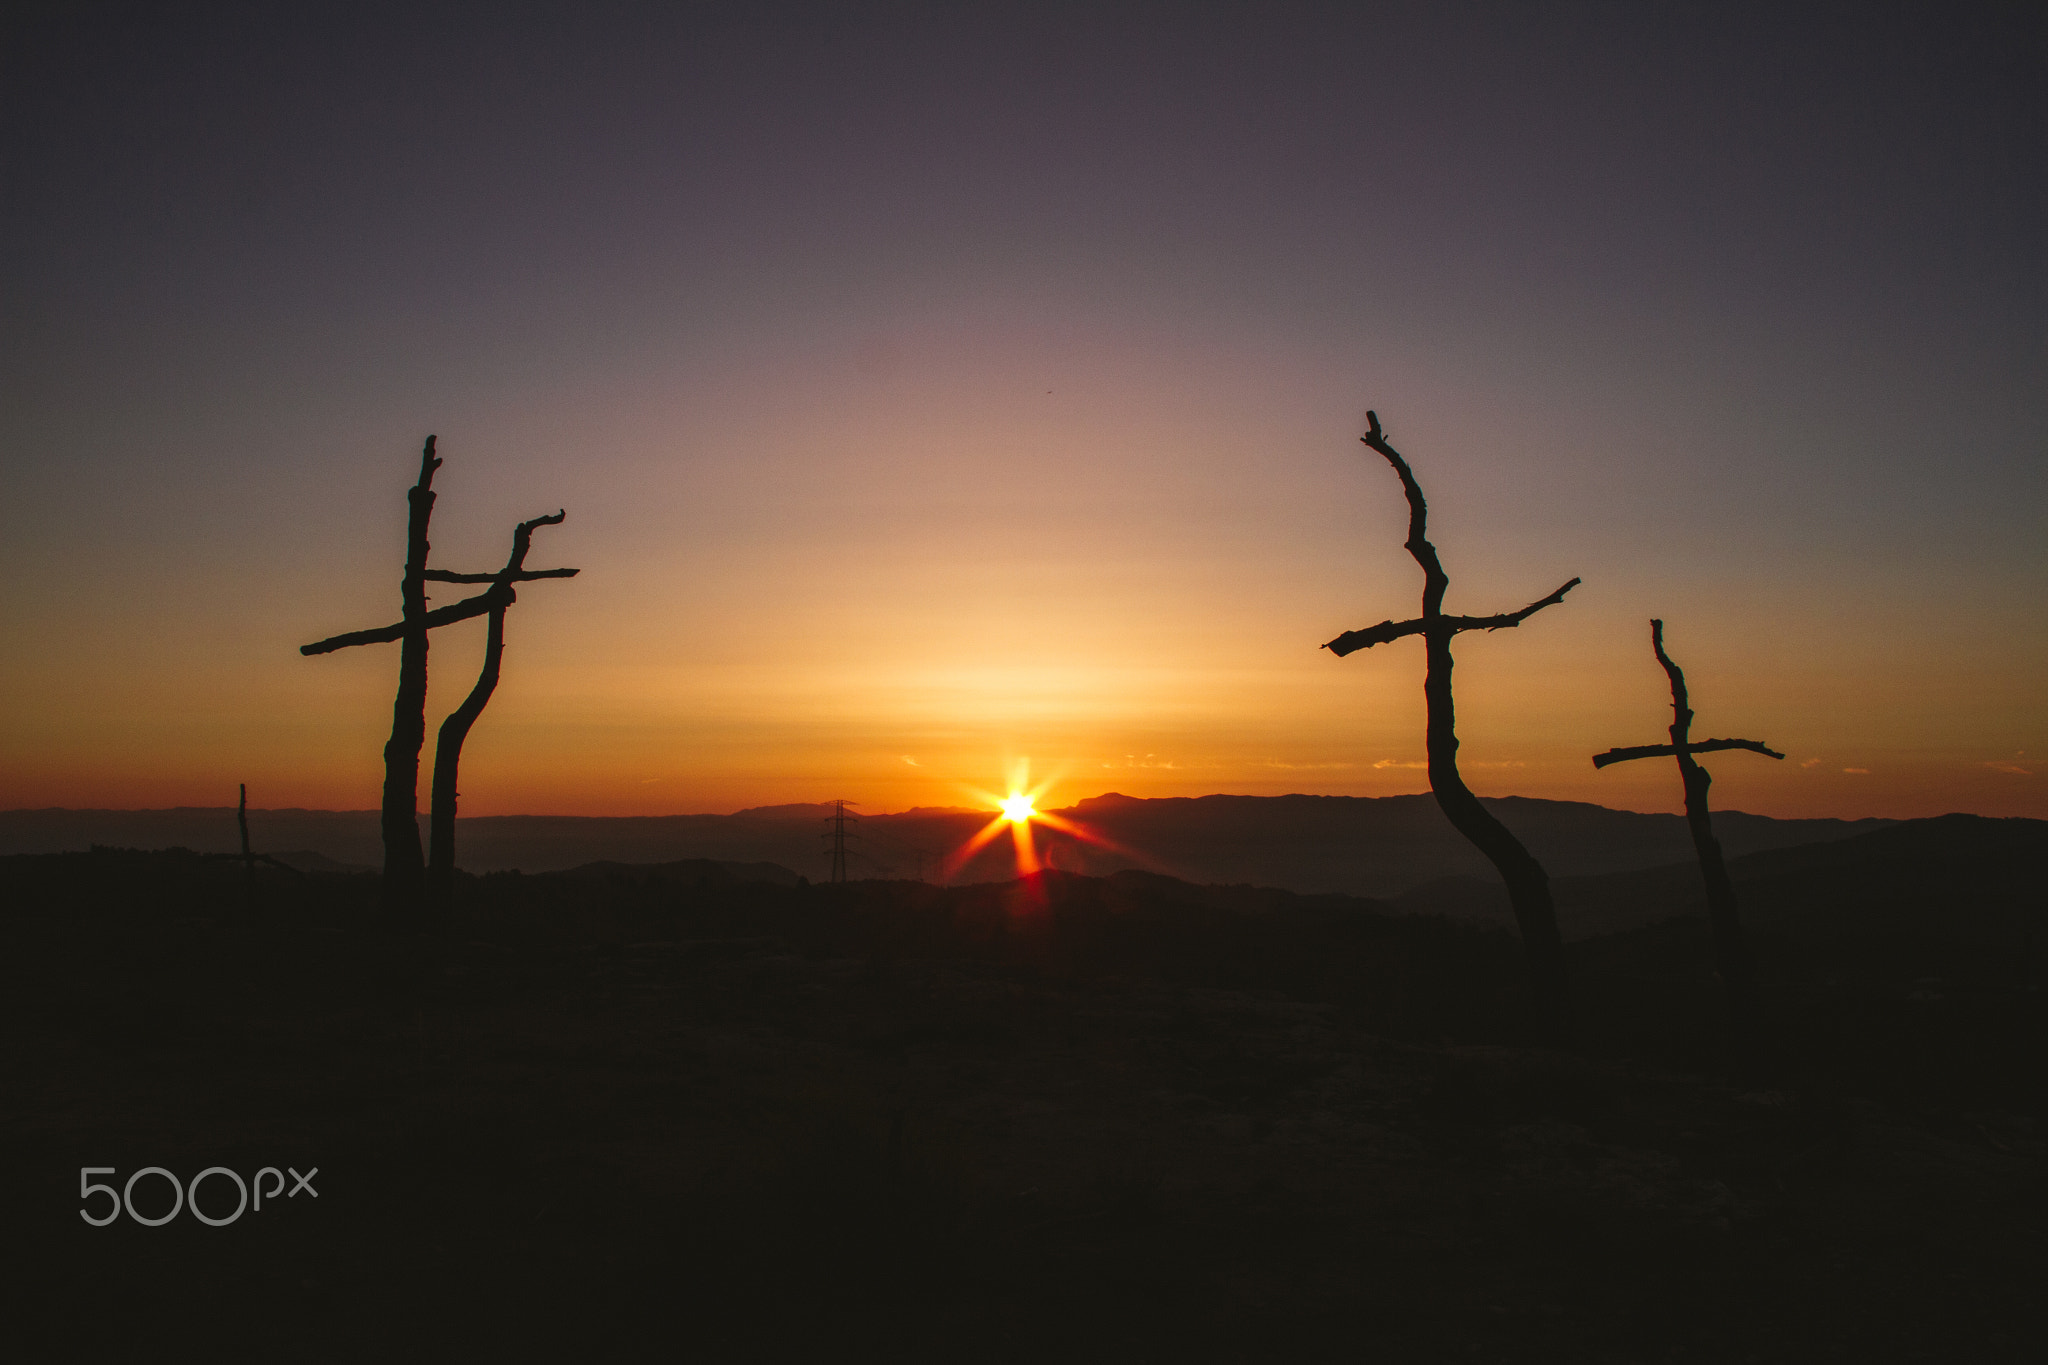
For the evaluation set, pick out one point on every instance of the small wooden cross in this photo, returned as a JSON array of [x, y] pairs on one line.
[[1731, 957], [455, 729]]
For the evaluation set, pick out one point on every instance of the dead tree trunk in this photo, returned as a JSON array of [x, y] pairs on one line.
[[1731, 956], [242, 821], [1528, 886], [404, 868], [455, 729]]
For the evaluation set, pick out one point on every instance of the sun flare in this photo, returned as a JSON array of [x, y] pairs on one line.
[[1063, 833]]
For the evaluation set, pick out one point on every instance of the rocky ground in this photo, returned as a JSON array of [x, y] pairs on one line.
[[625, 1124]]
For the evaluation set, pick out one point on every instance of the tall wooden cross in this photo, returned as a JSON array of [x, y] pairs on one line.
[[1731, 957], [1528, 885], [404, 866]]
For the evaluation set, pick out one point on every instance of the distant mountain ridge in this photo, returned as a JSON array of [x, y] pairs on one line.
[[1364, 846], [1383, 846]]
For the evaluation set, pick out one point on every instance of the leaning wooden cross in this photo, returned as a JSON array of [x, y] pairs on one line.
[[455, 729], [404, 865], [1730, 956], [1528, 885]]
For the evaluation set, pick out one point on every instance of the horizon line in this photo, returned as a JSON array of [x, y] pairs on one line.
[[963, 810]]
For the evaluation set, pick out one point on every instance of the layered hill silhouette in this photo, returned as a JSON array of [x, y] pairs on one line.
[[1974, 876], [1380, 847]]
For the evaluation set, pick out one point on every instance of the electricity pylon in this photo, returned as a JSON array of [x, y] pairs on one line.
[[838, 818]]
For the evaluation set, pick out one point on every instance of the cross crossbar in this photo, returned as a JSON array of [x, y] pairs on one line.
[[1353, 640], [468, 607], [448, 576], [1705, 746]]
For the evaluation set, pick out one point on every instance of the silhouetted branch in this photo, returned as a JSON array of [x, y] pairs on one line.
[[500, 582], [446, 576], [1434, 580], [440, 616], [1681, 706], [1353, 640], [522, 539], [1513, 618], [1705, 746], [429, 462]]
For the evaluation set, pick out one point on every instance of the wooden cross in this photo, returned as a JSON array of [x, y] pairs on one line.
[[1528, 885], [1730, 956], [246, 858], [455, 729]]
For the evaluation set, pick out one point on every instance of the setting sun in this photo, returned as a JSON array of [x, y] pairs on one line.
[[1019, 814]]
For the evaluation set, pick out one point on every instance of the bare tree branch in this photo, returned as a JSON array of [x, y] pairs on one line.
[[1705, 746], [440, 616], [1353, 640], [1434, 580], [1513, 618], [447, 576]]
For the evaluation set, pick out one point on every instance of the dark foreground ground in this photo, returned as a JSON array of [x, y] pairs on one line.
[[627, 1116]]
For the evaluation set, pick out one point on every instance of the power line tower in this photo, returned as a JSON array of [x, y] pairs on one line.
[[838, 818]]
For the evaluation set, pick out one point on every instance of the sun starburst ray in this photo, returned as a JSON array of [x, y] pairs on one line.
[[1027, 854], [964, 854], [1088, 834]]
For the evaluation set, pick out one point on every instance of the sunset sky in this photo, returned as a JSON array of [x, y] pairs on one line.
[[932, 389]]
